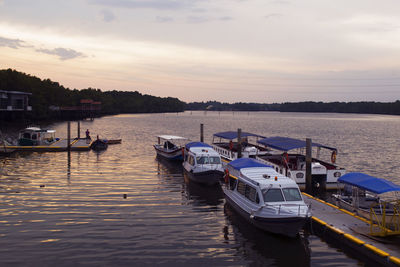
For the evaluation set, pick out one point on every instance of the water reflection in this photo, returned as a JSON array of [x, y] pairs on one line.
[[263, 249], [201, 195]]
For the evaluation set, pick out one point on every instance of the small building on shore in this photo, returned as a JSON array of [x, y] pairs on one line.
[[14, 104]]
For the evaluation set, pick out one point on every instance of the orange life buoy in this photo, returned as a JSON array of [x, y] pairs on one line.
[[333, 156], [226, 176]]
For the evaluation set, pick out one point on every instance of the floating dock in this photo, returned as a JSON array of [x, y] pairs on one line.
[[351, 231], [81, 144]]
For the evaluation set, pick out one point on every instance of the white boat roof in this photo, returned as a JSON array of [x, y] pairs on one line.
[[265, 176], [171, 137], [207, 151], [37, 129]]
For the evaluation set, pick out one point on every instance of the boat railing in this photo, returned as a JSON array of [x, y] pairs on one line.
[[280, 211], [387, 220]]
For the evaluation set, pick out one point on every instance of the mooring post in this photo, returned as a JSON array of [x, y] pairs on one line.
[[239, 137], [79, 130], [201, 132], [308, 166], [69, 136]]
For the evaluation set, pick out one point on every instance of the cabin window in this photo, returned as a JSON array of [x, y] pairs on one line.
[[26, 135], [215, 160], [191, 160], [202, 160], [292, 194], [34, 136], [273, 195], [241, 187], [251, 193], [232, 183]]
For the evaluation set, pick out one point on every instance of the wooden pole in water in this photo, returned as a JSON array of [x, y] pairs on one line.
[[308, 166], [201, 132], [239, 137], [79, 130], [69, 136]]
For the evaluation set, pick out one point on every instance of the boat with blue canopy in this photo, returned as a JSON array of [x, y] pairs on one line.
[[227, 144], [267, 199], [202, 163], [287, 156], [373, 198]]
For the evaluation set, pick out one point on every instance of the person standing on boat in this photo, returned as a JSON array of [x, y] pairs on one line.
[[88, 134]]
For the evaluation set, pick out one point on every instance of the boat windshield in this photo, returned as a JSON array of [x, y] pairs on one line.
[[273, 195], [208, 160], [292, 194]]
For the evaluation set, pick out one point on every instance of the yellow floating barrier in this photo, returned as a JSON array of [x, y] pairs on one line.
[[354, 239], [319, 221], [336, 230], [377, 250], [395, 260]]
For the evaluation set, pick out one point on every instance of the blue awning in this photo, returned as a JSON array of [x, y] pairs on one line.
[[196, 144], [369, 183], [247, 163], [233, 135], [286, 143]]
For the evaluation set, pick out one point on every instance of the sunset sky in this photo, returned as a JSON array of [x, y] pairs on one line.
[[198, 50]]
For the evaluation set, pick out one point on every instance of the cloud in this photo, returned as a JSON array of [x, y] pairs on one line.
[[62, 53], [150, 4], [11, 43], [273, 15], [196, 19], [163, 19], [108, 16], [226, 18]]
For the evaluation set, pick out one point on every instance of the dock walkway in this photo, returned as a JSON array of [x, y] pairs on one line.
[[351, 230], [60, 145]]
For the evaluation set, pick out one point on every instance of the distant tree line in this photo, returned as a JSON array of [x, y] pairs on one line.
[[46, 93]]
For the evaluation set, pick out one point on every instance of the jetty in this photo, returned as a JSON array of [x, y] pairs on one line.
[[77, 144], [351, 232]]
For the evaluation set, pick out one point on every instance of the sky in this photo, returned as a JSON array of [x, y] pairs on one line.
[[264, 51]]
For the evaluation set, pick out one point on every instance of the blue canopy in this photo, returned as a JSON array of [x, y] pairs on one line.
[[247, 163], [232, 135], [369, 183], [286, 143], [196, 144]]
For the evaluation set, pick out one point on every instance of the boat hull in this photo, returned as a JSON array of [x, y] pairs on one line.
[[287, 226], [210, 177], [170, 154]]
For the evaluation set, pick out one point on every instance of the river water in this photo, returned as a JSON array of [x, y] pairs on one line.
[[60, 210]]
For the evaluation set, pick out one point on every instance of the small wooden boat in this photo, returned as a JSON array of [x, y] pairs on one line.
[[113, 141], [375, 199], [202, 163], [98, 145], [268, 200], [170, 147]]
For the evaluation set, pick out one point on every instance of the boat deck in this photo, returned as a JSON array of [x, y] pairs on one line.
[[61, 145], [352, 231]]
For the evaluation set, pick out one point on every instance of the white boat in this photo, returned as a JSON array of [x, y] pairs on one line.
[[202, 163], [287, 156], [227, 145], [5, 147], [375, 199], [35, 136], [170, 146], [265, 198]]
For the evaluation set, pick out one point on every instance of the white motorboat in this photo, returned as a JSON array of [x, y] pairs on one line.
[[202, 163], [287, 157], [35, 136], [265, 198], [227, 145], [375, 199], [170, 146]]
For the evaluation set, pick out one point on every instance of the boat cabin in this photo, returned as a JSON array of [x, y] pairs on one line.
[[34, 136]]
